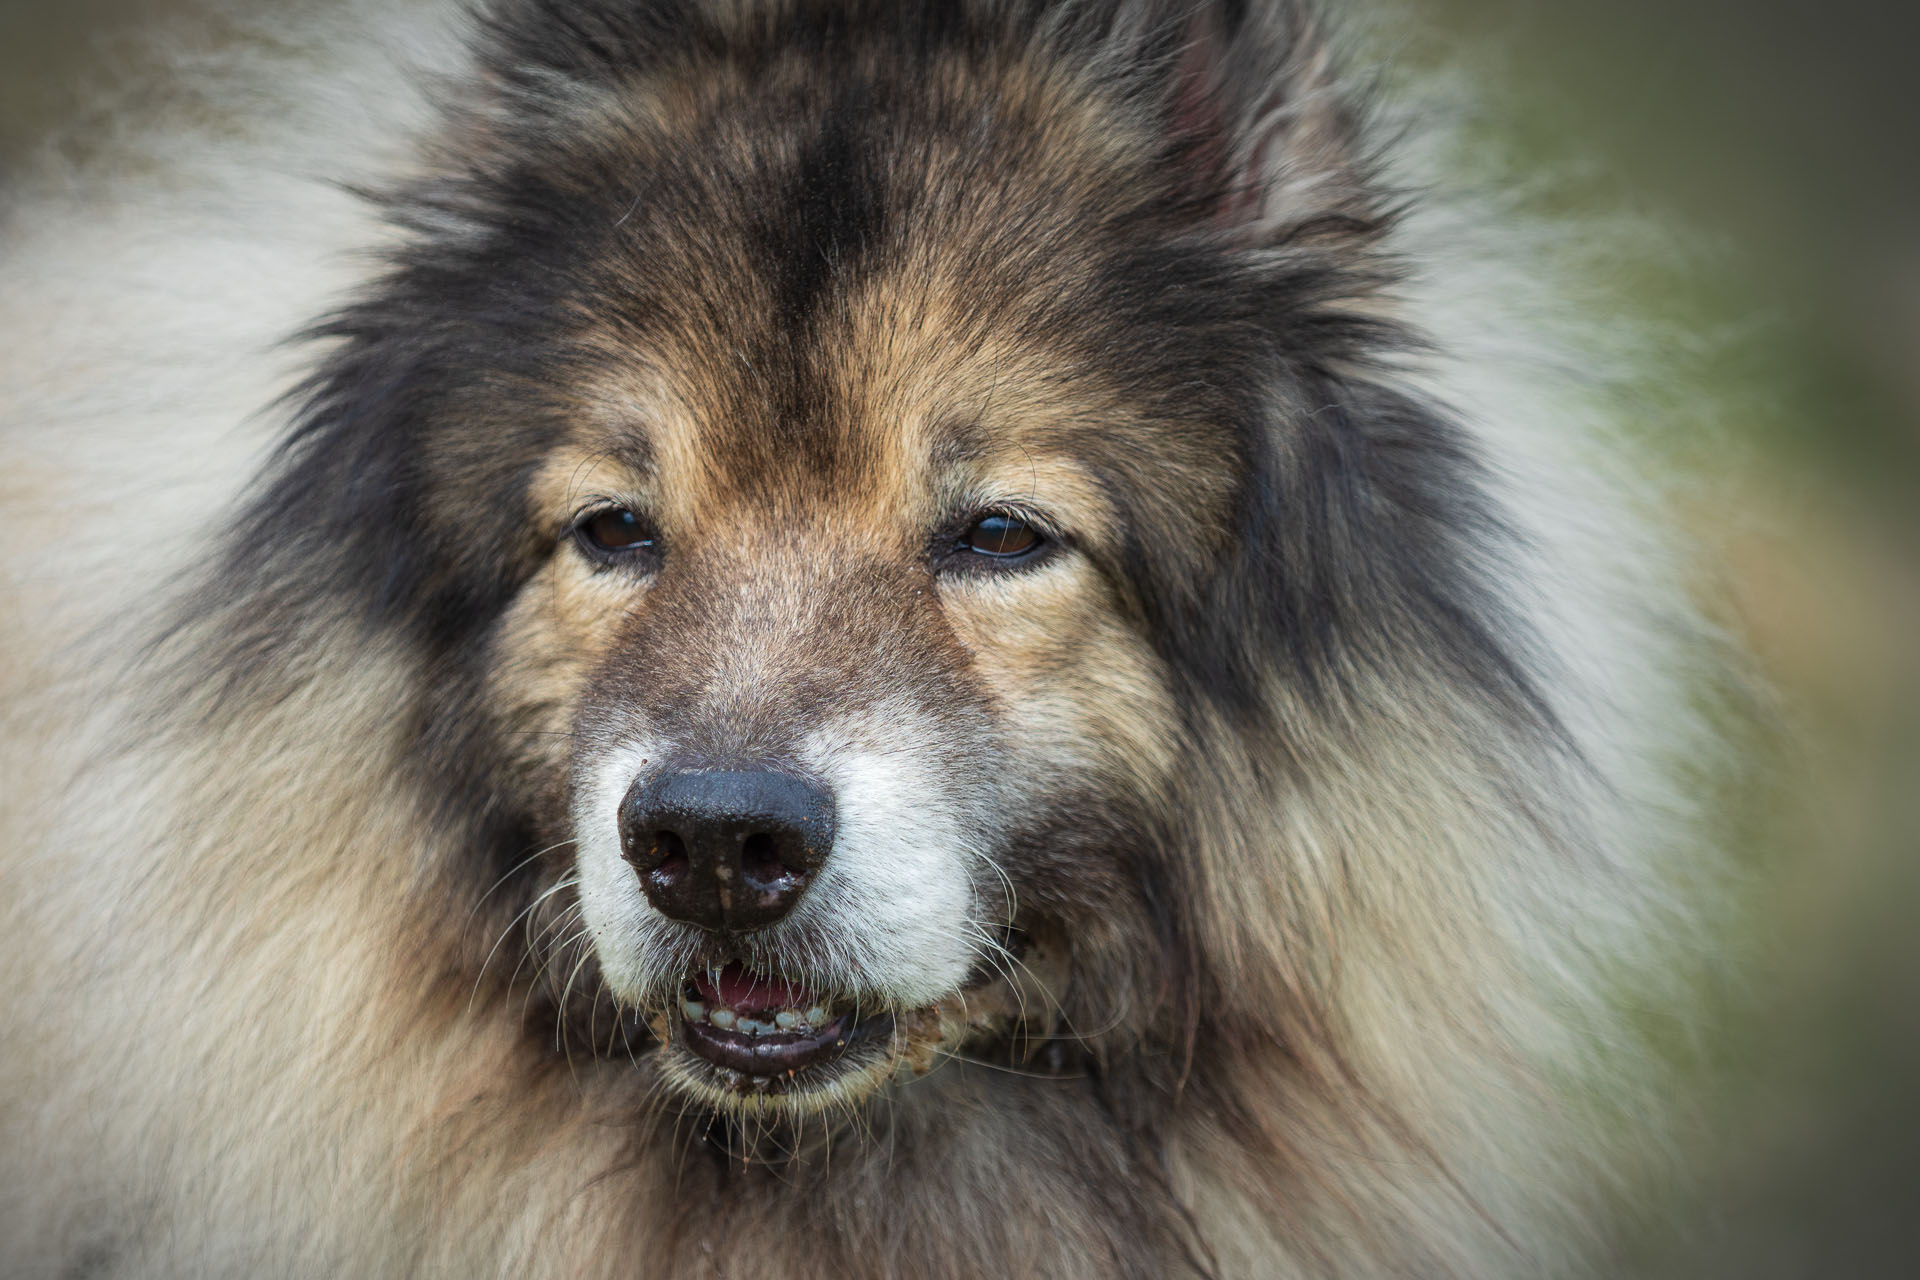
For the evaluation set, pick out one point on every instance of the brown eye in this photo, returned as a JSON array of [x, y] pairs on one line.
[[616, 531], [1002, 537]]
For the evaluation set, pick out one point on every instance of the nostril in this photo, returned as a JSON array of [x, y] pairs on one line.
[[666, 854], [760, 861], [652, 851]]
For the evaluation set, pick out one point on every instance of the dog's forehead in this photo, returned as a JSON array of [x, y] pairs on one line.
[[888, 430], [797, 312]]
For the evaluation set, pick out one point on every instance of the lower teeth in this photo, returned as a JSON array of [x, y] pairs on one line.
[[796, 1021]]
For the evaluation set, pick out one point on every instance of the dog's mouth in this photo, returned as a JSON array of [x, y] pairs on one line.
[[770, 1034], [750, 1044]]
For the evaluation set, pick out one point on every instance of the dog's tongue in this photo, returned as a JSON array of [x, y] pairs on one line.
[[734, 988]]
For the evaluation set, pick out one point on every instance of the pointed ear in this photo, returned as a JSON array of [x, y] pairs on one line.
[[1267, 137]]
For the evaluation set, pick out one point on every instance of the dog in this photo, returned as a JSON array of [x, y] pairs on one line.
[[790, 638]]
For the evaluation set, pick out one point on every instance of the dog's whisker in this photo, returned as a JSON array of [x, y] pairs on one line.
[[511, 872], [525, 913]]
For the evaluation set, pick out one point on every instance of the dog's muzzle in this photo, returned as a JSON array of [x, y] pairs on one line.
[[731, 851]]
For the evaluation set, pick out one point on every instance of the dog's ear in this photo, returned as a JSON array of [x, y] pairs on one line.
[[1265, 139]]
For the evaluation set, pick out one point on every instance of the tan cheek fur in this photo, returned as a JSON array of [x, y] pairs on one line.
[[1076, 690]]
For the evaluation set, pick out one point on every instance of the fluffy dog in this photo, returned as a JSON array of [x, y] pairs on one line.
[[863, 638]]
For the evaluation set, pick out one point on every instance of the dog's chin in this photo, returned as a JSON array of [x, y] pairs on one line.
[[755, 1046]]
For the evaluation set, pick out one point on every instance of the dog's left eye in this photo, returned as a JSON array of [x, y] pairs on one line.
[[1002, 537], [996, 540], [615, 532]]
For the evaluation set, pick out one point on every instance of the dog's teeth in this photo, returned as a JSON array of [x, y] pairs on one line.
[[760, 1023]]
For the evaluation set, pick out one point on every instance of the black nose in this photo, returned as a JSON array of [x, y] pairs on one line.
[[726, 849]]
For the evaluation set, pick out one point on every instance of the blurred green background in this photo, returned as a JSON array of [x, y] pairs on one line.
[[1780, 140], [1777, 142]]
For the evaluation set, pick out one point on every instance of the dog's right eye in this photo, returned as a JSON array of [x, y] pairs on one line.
[[616, 533]]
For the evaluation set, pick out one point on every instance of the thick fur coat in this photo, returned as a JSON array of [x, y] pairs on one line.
[[1083, 442]]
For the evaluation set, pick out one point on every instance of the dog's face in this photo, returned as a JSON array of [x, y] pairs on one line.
[[843, 604], [863, 487], [841, 662]]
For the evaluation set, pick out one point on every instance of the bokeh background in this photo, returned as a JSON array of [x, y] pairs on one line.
[[1772, 147], [1779, 142]]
